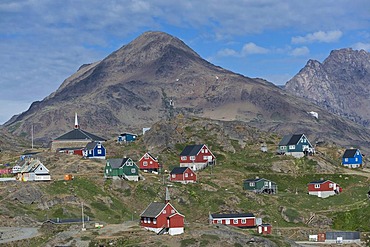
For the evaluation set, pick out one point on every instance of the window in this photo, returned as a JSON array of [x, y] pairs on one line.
[[172, 211], [145, 221], [219, 221], [164, 212], [148, 220], [145, 163], [146, 156], [330, 185], [99, 145], [183, 158], [150, 162], [235, 221], [173, 175], [206, 150], [191, 174], [356, 159], [99, 151], [202, 151], [251, 184], [244, 221], [345, 159], [133, 170], [266, 183], [192, 157], [317, 186], [186, 175], [292, 147], [90, 151], [154, 221]]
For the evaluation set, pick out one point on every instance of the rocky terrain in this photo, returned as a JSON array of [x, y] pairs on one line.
[[157, 77], [340, 84]]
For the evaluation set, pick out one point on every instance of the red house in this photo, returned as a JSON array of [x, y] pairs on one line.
[[243, 220], [196, 157], [162, 218], [183, 174], [264, 229], [149, 163], [75, 151], [323, 188]]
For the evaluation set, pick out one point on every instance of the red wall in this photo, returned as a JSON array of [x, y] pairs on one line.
[[199, 158], [182, 177], [161, 219], [250, 222], [154, 165], [176, 221], [323, 187]]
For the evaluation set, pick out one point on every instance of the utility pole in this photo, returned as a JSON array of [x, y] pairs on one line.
[[83, 217]]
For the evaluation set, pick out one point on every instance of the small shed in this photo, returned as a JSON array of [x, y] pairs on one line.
[[264, 229]]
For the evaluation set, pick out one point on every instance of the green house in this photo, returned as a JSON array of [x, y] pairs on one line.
[[295, 145], [123, 168], [260, 185]]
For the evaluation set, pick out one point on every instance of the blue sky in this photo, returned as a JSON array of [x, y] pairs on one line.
[[42, 42]]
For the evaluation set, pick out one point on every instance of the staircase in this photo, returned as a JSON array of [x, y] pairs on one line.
[[162, 231]]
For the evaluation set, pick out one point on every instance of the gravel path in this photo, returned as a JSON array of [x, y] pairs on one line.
[[9, 234]]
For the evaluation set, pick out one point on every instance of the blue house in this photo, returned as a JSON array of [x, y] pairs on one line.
[[352, 158], [126, 137], [296, 145], [94, 150]]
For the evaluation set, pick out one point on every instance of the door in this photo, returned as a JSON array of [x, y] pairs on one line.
[[227, 222]]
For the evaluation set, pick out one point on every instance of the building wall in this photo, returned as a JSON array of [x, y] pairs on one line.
[[151, 164], [67, 144], [249, 222], [187, 176], [176, 221], [203, 157]]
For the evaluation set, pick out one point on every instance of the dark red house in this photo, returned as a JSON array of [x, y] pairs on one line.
[[162, 218], [149, 163], [183, 174], [323, 188], [264, 229], [243, 220], [196, 157]]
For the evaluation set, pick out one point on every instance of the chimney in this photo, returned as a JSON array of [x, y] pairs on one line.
[[76, 122], [167, 198]]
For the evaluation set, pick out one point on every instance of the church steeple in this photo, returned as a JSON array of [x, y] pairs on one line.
[[167, 198], [76, 122]]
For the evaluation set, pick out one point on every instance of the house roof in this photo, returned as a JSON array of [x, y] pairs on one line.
[[115, 163], [79, 134], [153, 209], [290, 140], [191, 150], [65, 149], [221, 216], [126, 133], [31, 165], [255, 180], [91, 145], [349, 153], [321, 181], [150, 155], [178, 170]]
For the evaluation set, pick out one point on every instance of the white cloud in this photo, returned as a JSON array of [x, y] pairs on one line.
[[252, 48], [361, 46], [227, 53], [300, 51], [320, 36]]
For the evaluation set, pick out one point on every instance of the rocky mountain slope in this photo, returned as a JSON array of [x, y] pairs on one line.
[[157, 77], [341, 84]]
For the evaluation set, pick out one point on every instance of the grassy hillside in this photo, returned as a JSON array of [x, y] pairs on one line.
[[219, 189]]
